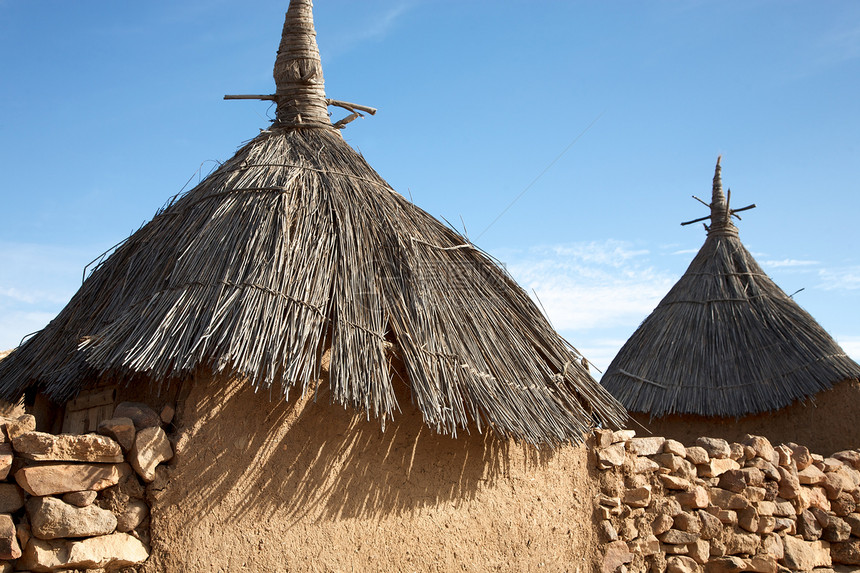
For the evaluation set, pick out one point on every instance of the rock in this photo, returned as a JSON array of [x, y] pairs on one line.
[[771, 489], [12, 427], [765, 507], [674, 447], [52, 518], [763, 564], [697, 455], [675, 483], [811, 475], [783, 508], [602, 438], [853, 520], [648, 545], [41, 555], [737, 480], [604, 512], [755, 494], [136, 511], [850, 457], [728, 500], [835, 483], [805, 555], [167, 414], [816, 497], [726, 516], [40, 446], [687, 522], [612, 456], [9, 548], [666, 505], [646, 446], [617, 554], [678, 537], [785, 524], [57, 478], [741, 543], [789, 484], [141, 415], [644, 465], [808, 526], [785, 455], [762, 447], [748, 519], [728, 564], [835, 529], [11, 498], [106, 552], [767, 469], [7, 456], [847, 553], [681, 564], [609, 501], [717, 466], [676, 465], [772, 545], [151, 447], [711, 527], [662, 523], [80, 498], [718, 548], [715, 447], [638, 497], [606, 529], [738, 452], [120, 429], [22, 531], [697, 498], [699, 551], [801, 456], [766, 524]]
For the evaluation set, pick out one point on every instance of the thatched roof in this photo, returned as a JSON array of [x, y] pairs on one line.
[[726, 341], [295, 247]]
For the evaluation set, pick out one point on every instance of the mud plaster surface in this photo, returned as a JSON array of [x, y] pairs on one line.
[[260, 485], [828, 423]]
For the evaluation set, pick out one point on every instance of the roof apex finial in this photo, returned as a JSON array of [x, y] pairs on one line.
[[300, 89], [721, 216]]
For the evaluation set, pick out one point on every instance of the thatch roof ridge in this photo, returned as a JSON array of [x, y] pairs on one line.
[[296, 247], [726, 340]]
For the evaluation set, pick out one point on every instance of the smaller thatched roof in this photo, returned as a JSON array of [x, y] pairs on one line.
[[296, 249], [725, 341]]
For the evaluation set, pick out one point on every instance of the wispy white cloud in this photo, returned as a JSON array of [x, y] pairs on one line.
[[844, 278], [789, 263], [374, 27], [686, 252], [16, 325], [591, 285], [840, 46], [851, 345], [35, 283]]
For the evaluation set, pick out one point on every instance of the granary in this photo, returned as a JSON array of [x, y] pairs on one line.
[[727, 352], [355, 384]]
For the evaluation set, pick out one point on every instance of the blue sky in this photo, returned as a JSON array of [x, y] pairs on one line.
[[602, 118]]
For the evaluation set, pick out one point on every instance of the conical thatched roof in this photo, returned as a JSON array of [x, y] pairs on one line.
[[726, 341], [294, 247]]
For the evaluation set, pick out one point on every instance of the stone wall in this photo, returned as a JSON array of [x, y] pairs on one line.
[[716, 506], [79, 501]]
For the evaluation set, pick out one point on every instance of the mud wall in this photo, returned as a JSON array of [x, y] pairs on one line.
[[260, 484], [825, 424]]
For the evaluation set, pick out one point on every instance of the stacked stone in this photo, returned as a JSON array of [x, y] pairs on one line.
[[719, 507], [78, 501]]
